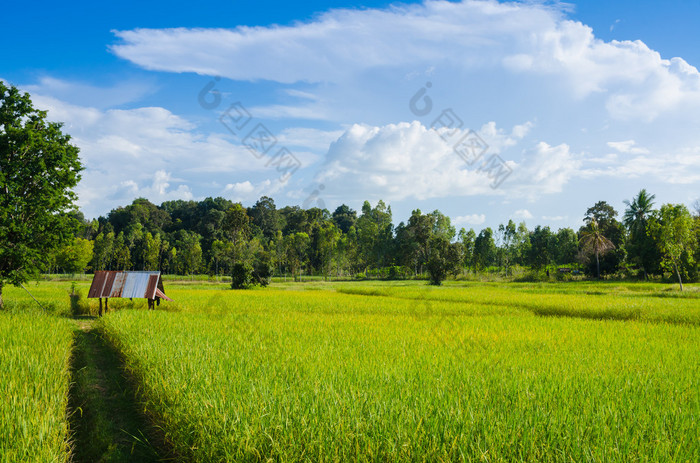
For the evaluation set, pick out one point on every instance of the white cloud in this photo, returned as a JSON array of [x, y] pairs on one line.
[[627, 147], [408, 160], [555, 218], [470, 219], [544, 169], [147, 152], [248, 191], [85, 94], [340, 45], [522, 214]]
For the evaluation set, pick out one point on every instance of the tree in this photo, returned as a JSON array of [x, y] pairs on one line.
[[344, 218], [121, 256], [484, 249], [467, 239], [610, 260], [541, 252], [75, 257], [38, 170], [566, 246], [189, 252], [673, 230], [236, 225], [103, 251], [593, 242], [296, 247], [507, 240], [328, 237], [437, 265], [641, 247], [264, 216]]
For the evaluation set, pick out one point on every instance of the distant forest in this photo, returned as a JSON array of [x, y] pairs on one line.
[[217, 236]]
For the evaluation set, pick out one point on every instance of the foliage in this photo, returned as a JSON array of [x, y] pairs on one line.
[[38, 170], [673, 229], [594, 243], [75, 257], [641, 247], [241, 275]]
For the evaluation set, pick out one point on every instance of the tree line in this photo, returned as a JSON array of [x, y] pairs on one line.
[[219, 237]]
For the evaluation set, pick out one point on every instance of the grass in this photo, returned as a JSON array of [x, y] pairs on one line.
[[643, 302], [359, 371], [34, 379], [326, 376], [105, 421]]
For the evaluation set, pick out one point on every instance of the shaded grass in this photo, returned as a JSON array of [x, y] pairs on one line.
[[105, 422]]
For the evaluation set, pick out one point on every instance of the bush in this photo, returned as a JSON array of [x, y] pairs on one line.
[[262, 272], [241, 275]]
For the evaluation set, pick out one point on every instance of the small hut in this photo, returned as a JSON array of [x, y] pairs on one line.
[[123, 284]]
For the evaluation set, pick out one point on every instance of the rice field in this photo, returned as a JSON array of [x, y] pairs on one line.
[[418, 373], [34, 379], [376, 371]]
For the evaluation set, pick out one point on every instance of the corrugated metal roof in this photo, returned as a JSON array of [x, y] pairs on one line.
[[126, 284]]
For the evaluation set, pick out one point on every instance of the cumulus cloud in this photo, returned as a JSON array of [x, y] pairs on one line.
[[409, 160], [627, 147], [472, 36], [147, 152], [522, 214], [249, 191], [470, 219]]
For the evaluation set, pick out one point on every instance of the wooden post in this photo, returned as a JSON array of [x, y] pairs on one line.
[[106, 304], [100, 311]]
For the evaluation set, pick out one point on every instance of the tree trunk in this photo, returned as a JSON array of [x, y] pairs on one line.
[[597, 264], [1, 303], [678, 274]]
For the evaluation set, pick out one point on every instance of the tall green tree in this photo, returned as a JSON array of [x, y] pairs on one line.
[[566, 246], [467, 239], [484, 249], [673, 230], [75, 257], [542, 246], [296, 252], [264, 217], [608, 226], [39, 168], [594, 243], [236, 225], [641, 247]]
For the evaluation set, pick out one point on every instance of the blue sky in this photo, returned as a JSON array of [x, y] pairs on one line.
[[552, 106]]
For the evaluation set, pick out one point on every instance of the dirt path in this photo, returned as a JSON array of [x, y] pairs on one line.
[[105, 421]]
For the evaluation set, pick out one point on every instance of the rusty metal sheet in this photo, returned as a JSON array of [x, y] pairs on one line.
[[127, 284], [109, 282], [162, 295], [98, 282], [117, 285], [152, 286]]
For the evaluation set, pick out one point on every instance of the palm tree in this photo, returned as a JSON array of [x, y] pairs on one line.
[[638, 212], [635, 219], [593, 242]]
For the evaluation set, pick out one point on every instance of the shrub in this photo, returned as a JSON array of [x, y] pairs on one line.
[[241, 275]]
